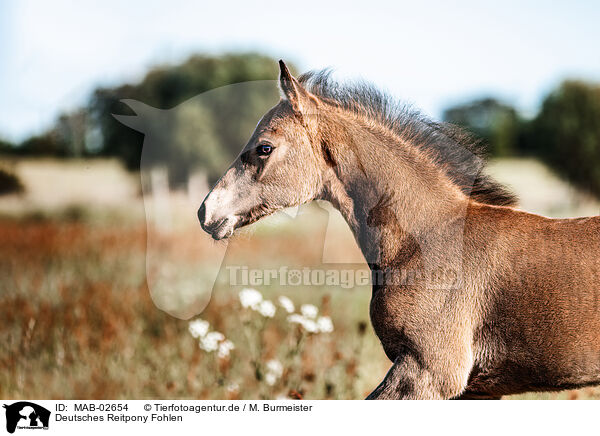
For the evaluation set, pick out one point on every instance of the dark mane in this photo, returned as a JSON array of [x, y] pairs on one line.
[[457, 152]]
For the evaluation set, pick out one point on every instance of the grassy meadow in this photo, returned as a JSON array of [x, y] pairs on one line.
[[85, 316]]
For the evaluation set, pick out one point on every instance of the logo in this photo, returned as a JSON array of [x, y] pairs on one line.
[[26, 415]]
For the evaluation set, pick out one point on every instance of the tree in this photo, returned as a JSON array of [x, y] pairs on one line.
[[497, 123], [51, 143], [6, 147], [167, 86], [566, 133]]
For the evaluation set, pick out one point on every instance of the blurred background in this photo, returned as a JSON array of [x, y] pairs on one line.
[[79, 319]]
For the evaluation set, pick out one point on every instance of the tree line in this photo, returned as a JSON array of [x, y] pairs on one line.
[[565, 133]]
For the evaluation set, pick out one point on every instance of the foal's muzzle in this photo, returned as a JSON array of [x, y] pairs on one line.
[[219, 228]]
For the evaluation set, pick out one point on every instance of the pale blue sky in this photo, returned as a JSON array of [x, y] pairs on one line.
[[432, 54]]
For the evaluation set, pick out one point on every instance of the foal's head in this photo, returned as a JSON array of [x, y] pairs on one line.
[[279, 167]]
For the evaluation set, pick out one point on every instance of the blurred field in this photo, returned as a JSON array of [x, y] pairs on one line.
[[79, 320]]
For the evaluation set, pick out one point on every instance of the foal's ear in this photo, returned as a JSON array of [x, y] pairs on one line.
[[291, 89]]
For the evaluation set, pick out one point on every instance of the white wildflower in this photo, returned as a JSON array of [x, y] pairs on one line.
[[217, 336], [250, 298], [270, 379], [307, 324], [210, 342], [309, 311], [225, 348], [267, 309], [198, 328], [275, 367], [274, 371], [324, 324], [208, 345], [287, 304], [233, 387], [296, 318], [310, 326]]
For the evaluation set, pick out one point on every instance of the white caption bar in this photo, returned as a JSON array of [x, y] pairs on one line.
[[164, 417]]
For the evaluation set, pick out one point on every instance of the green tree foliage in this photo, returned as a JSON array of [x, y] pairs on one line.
[[193, 132], [6, 147], [196, 112], [566, 133], [50, 144], [9, 183], [495, 122]]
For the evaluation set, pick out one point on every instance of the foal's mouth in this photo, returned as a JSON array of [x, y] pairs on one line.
[[254, 214], [225, 227], [241, 220], [221, 229]]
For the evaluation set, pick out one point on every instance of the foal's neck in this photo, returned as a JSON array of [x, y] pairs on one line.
[[391, 193]]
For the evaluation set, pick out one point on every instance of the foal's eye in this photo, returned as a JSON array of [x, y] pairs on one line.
[[264, 149]]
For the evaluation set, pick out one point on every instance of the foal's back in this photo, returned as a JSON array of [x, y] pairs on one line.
[[541, 327]]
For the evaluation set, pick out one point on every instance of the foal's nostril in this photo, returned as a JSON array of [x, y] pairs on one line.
[[202, 214]]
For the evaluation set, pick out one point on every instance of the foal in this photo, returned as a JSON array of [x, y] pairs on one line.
[[498, 301]]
